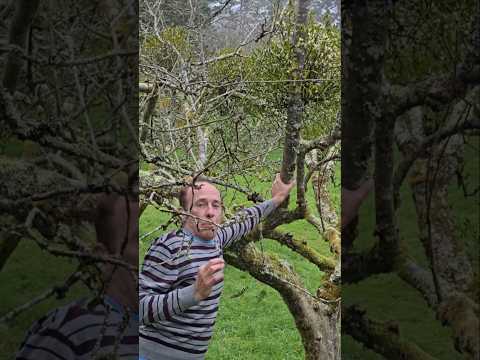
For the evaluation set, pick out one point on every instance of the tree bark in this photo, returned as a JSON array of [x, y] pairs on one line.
[[24, 13], [363, 48], [295, 107], [383, 338], [317, 320]]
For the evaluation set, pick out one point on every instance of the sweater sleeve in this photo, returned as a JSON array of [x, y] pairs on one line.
[[248, 219], [157, 299]]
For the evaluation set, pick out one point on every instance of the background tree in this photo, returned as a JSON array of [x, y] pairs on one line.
[[411, 80], [68, 104]]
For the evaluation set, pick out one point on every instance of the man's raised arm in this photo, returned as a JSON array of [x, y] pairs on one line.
[[250, 217]]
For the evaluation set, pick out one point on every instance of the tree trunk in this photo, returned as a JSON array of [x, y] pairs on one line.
[[202, 139], [363, 47], [24, 13], [295, 107], [317, 320], [317, 323]]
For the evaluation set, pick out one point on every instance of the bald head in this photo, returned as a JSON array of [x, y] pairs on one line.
[[187, 191]]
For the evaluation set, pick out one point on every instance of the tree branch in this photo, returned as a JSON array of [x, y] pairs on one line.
[[323, 263]]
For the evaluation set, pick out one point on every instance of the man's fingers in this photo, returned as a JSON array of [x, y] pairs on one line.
[[217, 278], [212, 269], [209, 275], [215, 261], [214, 279], [279, 179], [215, 264]]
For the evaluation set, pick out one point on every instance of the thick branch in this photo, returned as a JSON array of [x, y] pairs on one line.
[[358, 266], [324, 263], [329, 233], [383, 338], [321, 144]]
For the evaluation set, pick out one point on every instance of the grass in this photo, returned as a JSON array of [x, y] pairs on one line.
[[249, 327], [28, 273], [257, 324]]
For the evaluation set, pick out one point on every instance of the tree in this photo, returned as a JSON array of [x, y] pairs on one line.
[[67, 96], [400, 89]]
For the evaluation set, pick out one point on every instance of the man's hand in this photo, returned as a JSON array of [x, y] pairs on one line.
[[208, 275], [280, 190], [352, 199]]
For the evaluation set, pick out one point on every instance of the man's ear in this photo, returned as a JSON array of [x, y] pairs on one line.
[[183, 218], [222, 218]]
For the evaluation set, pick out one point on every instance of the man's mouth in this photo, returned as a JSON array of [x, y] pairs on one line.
[[207, 228]]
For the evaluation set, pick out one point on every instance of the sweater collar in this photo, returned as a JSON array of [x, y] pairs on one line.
[[188, 233]]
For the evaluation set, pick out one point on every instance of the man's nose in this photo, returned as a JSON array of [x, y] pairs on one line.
[[210, 211]]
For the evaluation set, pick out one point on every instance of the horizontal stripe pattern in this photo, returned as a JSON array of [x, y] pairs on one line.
[[168, 312], [82, 331]]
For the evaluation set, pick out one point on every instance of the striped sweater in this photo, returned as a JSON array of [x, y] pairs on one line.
[[173, 325], [83, 330]]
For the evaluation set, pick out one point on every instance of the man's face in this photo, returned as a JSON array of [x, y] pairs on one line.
[[204, 202]]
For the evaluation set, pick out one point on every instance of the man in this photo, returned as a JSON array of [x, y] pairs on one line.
[[105, 326], [182, 275]]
